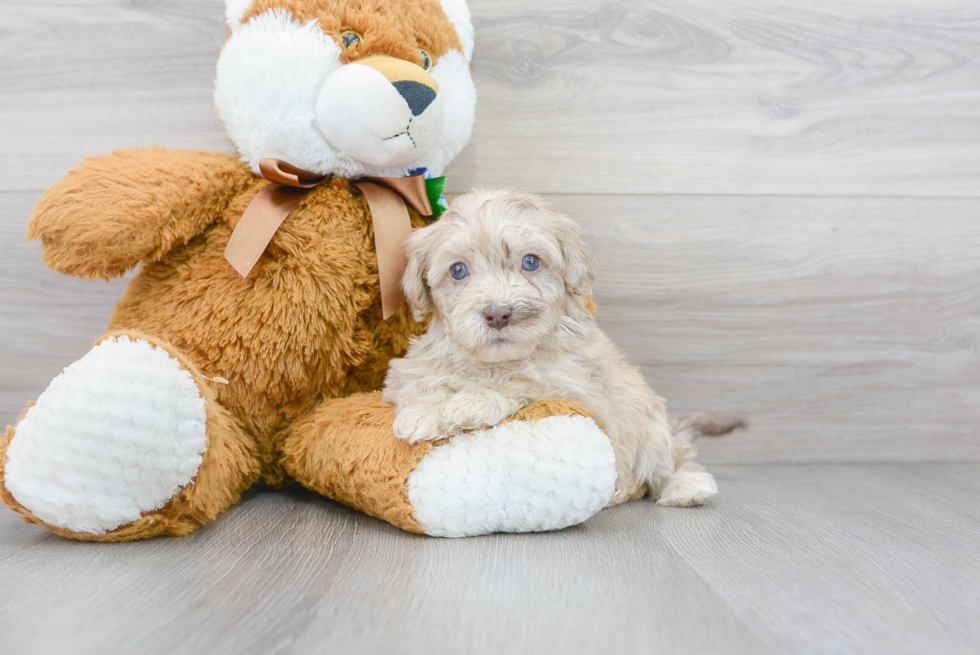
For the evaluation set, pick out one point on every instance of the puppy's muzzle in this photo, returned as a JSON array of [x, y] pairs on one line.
[[498, 316]]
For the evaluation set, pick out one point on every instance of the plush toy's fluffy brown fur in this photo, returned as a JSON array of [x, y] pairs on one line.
[[383, 25], [307, 324], [275, 358], [115, 211], [268, 355]]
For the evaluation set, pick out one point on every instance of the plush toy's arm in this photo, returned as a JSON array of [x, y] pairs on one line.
[[114, 211]]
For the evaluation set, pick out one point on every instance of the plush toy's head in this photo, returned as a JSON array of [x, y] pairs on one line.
[[348, 87]]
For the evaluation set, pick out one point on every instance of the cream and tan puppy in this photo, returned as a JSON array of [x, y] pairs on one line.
[[505, 276]]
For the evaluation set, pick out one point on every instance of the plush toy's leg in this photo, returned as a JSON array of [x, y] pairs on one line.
[[548, 467], [128, 443]]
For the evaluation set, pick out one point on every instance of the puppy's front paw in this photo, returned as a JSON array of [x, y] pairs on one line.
[[473, 411], [415, 424]]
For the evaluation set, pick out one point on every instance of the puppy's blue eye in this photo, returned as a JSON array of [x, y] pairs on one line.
[[458, 271], [530, 263]]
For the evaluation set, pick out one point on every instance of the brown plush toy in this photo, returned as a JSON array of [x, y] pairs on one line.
[[206, 381]]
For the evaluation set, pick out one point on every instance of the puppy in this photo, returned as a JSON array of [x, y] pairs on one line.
[[505, 279]]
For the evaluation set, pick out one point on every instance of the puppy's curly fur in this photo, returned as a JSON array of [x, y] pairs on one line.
[[503, 337]]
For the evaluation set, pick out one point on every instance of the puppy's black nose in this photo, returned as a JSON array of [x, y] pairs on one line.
[[417, 95], [497, 316]]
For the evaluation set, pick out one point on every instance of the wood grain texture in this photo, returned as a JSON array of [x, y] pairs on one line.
[[85, 78], [889, 565], [848, 97], [847, 329], [841, 97], [47, 320]]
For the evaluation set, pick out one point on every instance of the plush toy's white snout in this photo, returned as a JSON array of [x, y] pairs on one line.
[[380, 110]]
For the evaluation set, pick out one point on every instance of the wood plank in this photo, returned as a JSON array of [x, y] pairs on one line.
[[859, 558], [300, 574], [841, 97], [851, 97], [847, 329], [823, 558], [85, 78], [47, 320]]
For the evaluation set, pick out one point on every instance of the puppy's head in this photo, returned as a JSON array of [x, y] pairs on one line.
[[499, 271]]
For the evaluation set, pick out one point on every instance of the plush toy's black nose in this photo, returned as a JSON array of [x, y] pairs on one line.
[[498, 316], [417, 95]]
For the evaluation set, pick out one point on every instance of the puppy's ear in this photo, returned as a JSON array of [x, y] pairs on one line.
[[580, 264], [419, 247]]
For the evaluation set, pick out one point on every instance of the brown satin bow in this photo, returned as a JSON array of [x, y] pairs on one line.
[[386, 198]]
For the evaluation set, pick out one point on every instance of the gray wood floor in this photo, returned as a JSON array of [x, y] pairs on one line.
[[785, 201], [788, 559]]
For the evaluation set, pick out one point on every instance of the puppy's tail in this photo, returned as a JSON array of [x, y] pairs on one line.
[[688, 427]]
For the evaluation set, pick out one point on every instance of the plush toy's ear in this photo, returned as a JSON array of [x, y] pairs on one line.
[[580, 263], [234, 10], [459, 15], [419, 247]]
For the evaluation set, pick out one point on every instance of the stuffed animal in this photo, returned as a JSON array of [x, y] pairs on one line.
[[250, 344]]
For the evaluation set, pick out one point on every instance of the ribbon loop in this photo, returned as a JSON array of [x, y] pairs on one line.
[[281, 172]]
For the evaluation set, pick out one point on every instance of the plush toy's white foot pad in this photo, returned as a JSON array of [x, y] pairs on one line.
[[117, 434], [515, 477]]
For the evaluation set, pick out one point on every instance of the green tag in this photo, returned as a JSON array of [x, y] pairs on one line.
[[434, 189]]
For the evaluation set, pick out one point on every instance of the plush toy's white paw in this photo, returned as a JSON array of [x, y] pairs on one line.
[[117, 434], [687, 489], [515, 477]]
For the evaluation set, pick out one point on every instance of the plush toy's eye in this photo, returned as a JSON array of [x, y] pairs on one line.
[[530, 263], [425, 61], [458, 271], [350, 38]]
